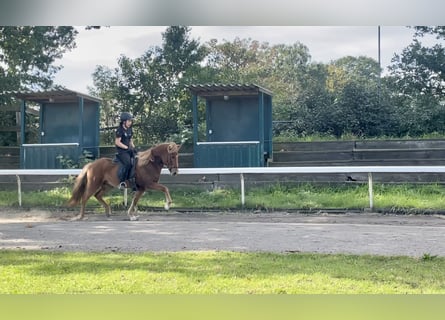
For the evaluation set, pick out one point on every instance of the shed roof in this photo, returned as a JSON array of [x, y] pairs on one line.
[[212, 90], [62, 95]]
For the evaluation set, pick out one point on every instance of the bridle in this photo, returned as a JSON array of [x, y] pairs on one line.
[[170, 163]]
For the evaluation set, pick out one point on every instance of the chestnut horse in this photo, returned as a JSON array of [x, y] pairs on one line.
[[100, 176]]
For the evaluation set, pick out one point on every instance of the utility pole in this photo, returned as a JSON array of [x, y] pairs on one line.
[[380, 64], [380, 60]]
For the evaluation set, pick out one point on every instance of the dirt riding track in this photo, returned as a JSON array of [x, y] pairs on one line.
[[352, 233]]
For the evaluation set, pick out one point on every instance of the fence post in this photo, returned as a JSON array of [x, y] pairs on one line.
[[242, 190], [19, 189], [371, 193]]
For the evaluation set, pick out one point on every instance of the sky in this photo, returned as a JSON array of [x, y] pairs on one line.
[[325, 43]]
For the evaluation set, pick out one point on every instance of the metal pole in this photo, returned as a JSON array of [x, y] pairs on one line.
[[242, 190], [22, 133], [371, 193], [380, 67], [380, 60], [19, 189]]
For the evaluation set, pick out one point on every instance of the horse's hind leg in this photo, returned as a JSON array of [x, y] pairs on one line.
[[99, 196], [90, 189], [132, 210], [82, 210], [83, 203]]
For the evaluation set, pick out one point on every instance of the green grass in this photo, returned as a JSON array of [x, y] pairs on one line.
[[36, 272], [350, 137], [404, 198]]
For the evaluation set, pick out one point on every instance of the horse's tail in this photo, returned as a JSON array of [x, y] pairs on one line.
[[79, 186]]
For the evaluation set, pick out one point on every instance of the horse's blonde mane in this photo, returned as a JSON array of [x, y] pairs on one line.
[[146, 156]]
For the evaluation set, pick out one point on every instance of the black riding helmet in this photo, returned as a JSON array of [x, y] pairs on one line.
[[126, 116]]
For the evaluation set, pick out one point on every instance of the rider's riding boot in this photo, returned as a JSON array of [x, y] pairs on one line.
[[132, 183]]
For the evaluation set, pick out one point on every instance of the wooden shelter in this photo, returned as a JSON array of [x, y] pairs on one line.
[[69, 126], [238, 125]]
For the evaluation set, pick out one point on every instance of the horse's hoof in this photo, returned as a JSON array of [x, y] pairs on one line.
[[167, 207], [78, 218], [134, 218]]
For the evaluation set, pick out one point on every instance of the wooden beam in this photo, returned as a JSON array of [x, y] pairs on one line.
[[17, 109], [227, 93], [10, 108], [10, 129]]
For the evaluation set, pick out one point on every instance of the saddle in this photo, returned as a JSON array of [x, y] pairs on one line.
[[122, 173]]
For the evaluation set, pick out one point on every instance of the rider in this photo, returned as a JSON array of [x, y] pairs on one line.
[[125, 149]]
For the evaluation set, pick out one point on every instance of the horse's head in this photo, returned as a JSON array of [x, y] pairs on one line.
[[165, 154], [170, 158]]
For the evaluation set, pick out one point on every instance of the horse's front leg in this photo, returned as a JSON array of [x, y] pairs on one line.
[[168, 199], [164, 189], [133, 209]]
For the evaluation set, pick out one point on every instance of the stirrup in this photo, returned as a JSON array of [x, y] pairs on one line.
[[122, 185]]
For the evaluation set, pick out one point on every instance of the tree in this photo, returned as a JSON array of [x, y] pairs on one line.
[[420, 70], [438, 31], [283, 70], [343, 97], [27, 56], [359, 107], [153, 86], [417, 80], [308, 113], [233, 62], [279, 68]]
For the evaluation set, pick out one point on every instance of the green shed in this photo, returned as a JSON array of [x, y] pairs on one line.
[[238, 125], [69, 125]]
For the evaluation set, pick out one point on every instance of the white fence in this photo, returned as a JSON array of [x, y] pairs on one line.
[[251, 170]]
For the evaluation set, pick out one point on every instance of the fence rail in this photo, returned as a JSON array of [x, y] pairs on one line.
[[244, 171]]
